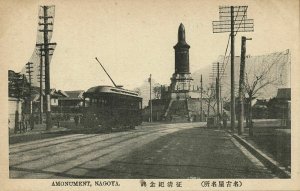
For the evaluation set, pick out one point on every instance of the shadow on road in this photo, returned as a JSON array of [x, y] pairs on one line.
[[190, 153], [51, 134]]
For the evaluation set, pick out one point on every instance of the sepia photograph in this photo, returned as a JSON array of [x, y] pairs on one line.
[[149, 95]]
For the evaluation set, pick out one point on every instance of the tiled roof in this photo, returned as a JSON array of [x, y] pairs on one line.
[[73, 95]]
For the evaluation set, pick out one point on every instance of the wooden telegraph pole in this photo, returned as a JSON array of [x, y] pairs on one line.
[[45, 48], [218, 92], [241, 86], [29, 72], [233, 19], [41, 87], [216, 75], [41, 80]]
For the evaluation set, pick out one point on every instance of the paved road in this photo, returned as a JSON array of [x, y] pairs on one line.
[[158, 151]]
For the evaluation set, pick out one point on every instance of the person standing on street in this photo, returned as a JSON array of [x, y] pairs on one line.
[[76, 119], [31, 121], [224, 118]]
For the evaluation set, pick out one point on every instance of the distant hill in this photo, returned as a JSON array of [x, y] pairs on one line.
[[279, 64]]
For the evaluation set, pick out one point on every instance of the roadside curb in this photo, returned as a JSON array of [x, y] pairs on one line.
[[39, 132], [37, 135], [267, 161]]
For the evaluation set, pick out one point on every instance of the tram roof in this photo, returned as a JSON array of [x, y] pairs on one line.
[[111, 90]]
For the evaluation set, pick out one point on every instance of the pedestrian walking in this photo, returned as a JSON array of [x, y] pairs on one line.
[[224, 119], [76, 119], [16, 122], [57, 121], [205, 116], [31, 121], [24, 123], [219, 120]]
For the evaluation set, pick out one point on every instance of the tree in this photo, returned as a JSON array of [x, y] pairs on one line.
[[138, 90], [209, 94], [18, 85], [157, 90], [257, 79]]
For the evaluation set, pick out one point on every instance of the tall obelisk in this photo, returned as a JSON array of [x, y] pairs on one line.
[[181, 79]]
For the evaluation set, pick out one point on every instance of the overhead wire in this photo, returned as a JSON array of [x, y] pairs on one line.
[[241, 21], [224, 66]]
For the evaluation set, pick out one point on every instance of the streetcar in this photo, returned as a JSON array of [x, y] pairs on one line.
[[110, 107]]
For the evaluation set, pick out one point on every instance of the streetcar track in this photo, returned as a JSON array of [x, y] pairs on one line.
[[101, 156], [60, 142], [52, 139], [88, 152], [45, 146], [67, 149], [43, 141], [52, 172]]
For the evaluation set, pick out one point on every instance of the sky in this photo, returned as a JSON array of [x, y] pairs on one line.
[[133, 39]]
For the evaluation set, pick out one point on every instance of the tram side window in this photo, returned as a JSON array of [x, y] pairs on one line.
[[98, 102], [87, 102], [119, 102], [127, 103], [93, 101], [102, 101], [132, 103]]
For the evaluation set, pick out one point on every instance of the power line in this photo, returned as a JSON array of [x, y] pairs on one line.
[[229, 39], [227, 46], [237, 14], [225, 56], [241, 21], [227, 17]]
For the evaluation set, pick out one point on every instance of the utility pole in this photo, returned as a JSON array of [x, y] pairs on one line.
[[41, 88], [218, 92], [201, 97], [241, 86], [41, 81], [29, 72], [47, 70], [45, 48], [237, 17], [232, 95], [150, 81], [215, 76], [221, 100]]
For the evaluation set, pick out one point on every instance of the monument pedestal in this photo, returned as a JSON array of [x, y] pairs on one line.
[[180, 86]]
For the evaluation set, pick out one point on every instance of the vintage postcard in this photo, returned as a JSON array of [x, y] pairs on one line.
[[149, 95]]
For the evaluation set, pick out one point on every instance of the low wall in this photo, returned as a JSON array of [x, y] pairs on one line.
[[283, 145], [13, 105]]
